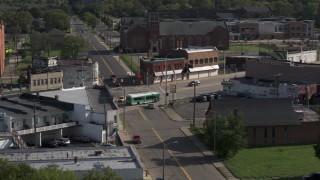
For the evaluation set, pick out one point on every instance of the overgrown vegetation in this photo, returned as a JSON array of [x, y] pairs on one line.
[[20, 171], [128, 61]]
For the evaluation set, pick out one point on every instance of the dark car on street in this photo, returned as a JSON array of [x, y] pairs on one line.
[[200, 98], [50, 144]]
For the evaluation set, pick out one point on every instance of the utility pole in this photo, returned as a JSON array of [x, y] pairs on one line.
[[194, 105], [34, 122], [105, 120], [124, 110]]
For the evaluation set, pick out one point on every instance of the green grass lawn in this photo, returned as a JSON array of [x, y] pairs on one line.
[[248, 48], [131, 65], [280, 161]]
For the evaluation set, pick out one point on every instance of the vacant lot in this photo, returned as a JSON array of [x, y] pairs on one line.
[[280, 161]]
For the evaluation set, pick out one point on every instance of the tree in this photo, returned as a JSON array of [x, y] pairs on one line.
[[72, 45], [40, 42], [57, 18], [228, 133], [108, 173], [36, 43], [15, 171], [317, 146], [54, 172], [90, 19], [24, 20]]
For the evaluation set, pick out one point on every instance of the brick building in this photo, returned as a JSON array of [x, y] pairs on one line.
[[2, 48], [271, 121], [186, 64], [271, 29], [160, 31], [265, 69]]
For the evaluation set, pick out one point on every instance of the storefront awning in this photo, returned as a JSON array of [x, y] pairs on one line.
[[204, 68], [158, 74]]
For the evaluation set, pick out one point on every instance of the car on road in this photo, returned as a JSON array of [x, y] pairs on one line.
[[200, 98], [50, 143], [121, 99], [63, 141], [151, 106], [211, 96], [81, 139], [136, 139], [194, 83]]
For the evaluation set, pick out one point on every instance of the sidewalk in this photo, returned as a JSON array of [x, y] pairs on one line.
[[209, 155]]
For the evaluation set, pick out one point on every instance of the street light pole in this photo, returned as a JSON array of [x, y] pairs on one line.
[[194, 105], [165, 68], [124, 109], [163, 160], [277, 80]]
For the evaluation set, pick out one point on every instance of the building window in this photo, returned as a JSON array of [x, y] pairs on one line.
[[215, 59], [51, 80], [285, 134], [211, 60], [46, 81], [265, 135], [34, 82], [254, 136], [206, 61], [273, 135], [42, 81], [38, 82], [201, 61], [196, 61], [115, 119], [55, 80], [59, 80], [191, 62]]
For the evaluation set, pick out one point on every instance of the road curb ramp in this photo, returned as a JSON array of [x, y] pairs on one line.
[[171, 113]]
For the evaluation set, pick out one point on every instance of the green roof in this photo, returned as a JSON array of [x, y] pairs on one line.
[[156, 60]]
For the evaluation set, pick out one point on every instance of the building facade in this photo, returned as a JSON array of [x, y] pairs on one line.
[[181, 63], [161, 32], [45, 80], [2, 48], [270, 29], [270, 122]]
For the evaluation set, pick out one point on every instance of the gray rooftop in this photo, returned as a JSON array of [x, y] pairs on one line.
[[259, 112], [91, 97], [189, 28], [114, 157], [22, 107], [73, 95]]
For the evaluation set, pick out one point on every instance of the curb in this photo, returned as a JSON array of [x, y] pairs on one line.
[[223, 170]]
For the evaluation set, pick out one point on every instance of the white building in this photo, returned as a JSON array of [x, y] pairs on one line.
[[54, 114], [260, 89]]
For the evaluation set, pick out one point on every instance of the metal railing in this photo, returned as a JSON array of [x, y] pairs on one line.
[[47, 128]]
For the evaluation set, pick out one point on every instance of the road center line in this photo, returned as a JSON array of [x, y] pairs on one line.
[[107, 65], [141, 113], [171, 154]]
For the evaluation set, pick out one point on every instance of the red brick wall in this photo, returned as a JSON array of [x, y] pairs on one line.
[[306, 133], [2, 48]]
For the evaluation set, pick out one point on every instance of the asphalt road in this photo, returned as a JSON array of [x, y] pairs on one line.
[[182, 159], [99, 52]]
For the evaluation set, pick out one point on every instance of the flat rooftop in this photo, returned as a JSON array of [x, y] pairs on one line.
[[88, 158], [90, 97]]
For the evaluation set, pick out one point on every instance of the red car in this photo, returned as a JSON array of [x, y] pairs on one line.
[[136, 139]]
